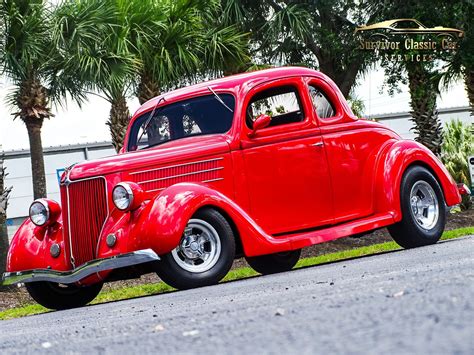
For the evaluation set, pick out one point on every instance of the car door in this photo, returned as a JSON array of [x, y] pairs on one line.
[[285, 164], [351, 150]]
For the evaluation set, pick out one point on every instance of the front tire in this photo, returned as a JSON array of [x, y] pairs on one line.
[[204, 255], [58, 296], [423, 210], [274, 263]]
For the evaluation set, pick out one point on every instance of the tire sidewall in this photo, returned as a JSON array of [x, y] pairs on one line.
[[173, 274], [412, 176]]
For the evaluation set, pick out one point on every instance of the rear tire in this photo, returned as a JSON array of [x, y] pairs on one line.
[[204, 255], [274, 263], [58, 296], [423, 210]]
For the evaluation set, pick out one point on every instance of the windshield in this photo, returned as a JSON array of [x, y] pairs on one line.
[[192, 117]]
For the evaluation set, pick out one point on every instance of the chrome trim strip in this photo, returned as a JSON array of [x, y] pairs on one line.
[[89, 268], [212, 180], [160, 189], [181, 175], [176, 166], [71, 257], [69, 212], [163, 188]]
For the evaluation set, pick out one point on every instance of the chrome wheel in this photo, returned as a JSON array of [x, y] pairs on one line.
[[424, 205], [199, 248]]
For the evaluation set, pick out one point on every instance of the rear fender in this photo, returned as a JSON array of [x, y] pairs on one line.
[[393, 163]]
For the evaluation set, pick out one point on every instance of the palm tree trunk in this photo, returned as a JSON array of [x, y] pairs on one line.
[[147, 88], [33, 126], [32, 101], [3, 217], [469, 83], [118, 121], [423, 92]]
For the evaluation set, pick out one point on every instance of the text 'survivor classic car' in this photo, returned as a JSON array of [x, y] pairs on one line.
[[258, 165]]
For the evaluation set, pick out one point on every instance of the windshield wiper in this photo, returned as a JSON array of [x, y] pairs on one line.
[[148, 120], [218, 98]]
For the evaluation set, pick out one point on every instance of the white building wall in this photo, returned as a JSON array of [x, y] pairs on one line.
[[18, 167], [400, 121]]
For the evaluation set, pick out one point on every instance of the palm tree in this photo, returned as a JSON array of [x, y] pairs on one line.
[[27, 44], [179, 41], [42, 55], [423, 85], [4, 193], [105, 63], [461, 66], [151, 45]]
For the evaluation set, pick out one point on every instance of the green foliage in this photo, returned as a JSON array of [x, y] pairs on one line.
[[458, 145], [45, 43], [357, 105], [93, 44], [316, 34], [177, 41]]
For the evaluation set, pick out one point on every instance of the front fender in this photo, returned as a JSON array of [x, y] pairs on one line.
[[160, 223], [393, 163], [30, 248]]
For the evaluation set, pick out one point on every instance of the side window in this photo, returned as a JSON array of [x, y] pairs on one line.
[[282, 104], [324, 109]]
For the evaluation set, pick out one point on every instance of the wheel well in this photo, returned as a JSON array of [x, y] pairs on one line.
[[239, 250], [430, 169]]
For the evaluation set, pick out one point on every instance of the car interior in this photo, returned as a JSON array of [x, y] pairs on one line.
[[281, 103]]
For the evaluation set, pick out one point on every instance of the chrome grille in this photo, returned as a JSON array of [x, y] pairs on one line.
[[84, 211]]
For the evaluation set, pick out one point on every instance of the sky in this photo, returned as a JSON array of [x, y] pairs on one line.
[[74, 125]]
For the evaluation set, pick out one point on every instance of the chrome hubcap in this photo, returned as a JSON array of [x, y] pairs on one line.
[[199, 248], [424, 205]]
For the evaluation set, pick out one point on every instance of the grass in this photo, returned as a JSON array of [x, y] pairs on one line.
[[236, 274]]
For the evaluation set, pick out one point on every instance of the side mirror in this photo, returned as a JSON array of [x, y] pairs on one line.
[[262, 121]]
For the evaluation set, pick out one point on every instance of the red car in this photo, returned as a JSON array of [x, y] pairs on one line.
[[258, 165]]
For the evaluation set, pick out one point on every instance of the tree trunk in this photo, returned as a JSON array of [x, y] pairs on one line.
[[32, 101], [3, 243], [3, 217], [118, 121], [469, 82], [147, 88], [33, 127], [423, 92]]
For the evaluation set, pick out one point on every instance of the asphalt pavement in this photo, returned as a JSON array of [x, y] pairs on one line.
[[417, 301]]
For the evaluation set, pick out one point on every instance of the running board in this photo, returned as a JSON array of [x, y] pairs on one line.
[[358, 226]]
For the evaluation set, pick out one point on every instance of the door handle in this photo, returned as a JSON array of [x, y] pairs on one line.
[[318, 144]]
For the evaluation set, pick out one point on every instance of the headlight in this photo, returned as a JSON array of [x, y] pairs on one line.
[[44, 212], [127, 196], [39, 212]]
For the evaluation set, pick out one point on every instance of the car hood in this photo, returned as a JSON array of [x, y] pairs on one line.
[[170, 152]]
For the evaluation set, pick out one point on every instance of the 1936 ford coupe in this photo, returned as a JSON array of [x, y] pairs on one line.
[[258, 165]]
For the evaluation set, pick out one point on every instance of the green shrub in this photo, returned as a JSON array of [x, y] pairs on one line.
[[457, 146]]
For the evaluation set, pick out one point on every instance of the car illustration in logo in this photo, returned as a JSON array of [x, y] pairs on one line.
[[409, 26]]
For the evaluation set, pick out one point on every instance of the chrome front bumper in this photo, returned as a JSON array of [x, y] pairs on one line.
[[89, 268]]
